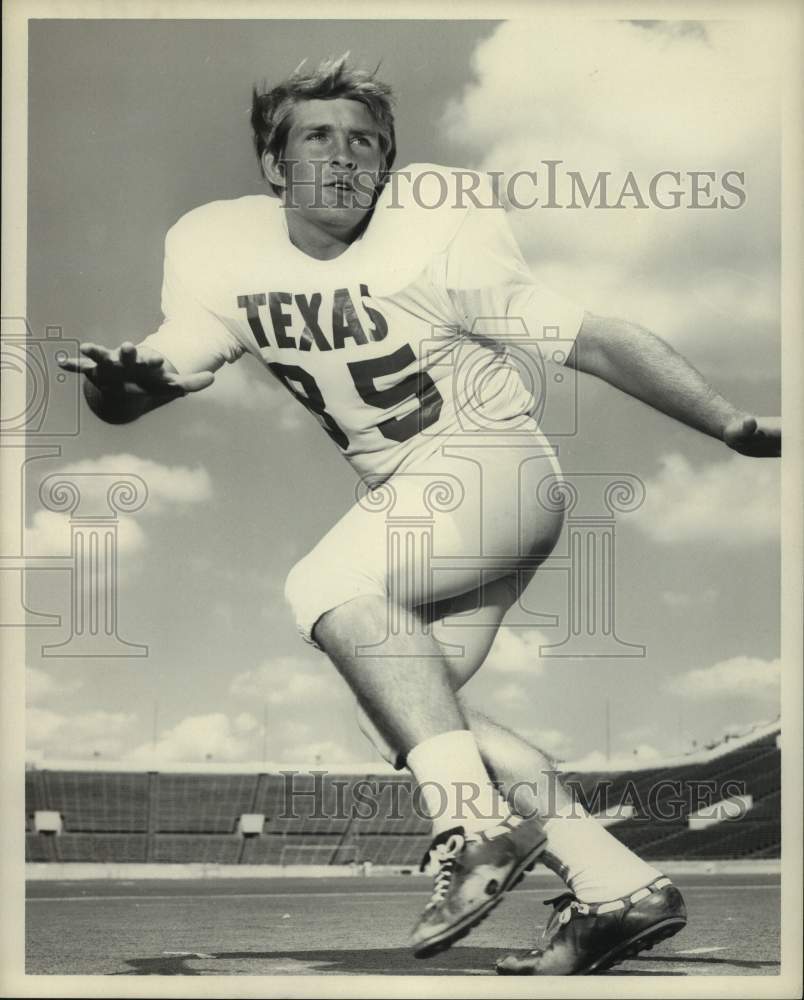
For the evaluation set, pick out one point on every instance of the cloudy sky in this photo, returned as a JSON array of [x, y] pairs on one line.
[[133, 124]]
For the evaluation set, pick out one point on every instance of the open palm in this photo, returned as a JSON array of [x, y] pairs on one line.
[[135, 370]]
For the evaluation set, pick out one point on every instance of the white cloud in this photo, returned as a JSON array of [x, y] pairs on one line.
[[308, 706], [49, 532], [293, 730], [80, 735], [41, 685], [701, 74], [166, 484], [638, 734], [706, 279], [685, 599], [288, 681], [739, 677], [644, 753], [552, 741], [245, 722], [41, 725], [247, 385], [49, 535], [197, 738], [734, 502], [516, 651], [317, 752]]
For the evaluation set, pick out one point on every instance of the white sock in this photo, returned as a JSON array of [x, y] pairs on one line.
[[454, 786], [593, 863]]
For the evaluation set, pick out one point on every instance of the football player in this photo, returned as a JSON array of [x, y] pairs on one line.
[[362, 296]]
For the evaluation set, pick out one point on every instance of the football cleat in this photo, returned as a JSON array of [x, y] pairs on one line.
[[583, 938], [471, 872]]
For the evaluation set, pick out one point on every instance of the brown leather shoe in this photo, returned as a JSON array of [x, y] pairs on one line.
[[472, 872], [584, 938]]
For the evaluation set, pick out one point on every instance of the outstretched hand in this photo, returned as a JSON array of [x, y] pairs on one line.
[[134, 371], [758, 437]]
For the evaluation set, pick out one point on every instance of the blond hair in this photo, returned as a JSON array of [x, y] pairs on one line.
[[271, 110]]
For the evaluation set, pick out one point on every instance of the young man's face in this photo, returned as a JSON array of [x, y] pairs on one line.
[[331, 164]]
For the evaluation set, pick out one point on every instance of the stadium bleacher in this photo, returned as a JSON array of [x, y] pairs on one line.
[[203, 803], [38, 847], [92, 802], [202, 848], [102, 847], [266, 850], [35, 797], [323, 818]]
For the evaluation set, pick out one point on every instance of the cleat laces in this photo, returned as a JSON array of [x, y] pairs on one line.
[[441, 866], [564, 907]]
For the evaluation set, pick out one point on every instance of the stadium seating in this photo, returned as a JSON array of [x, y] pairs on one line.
[[199, 848], [406, 851], [769, 807], [35, 796], [736, 839], [91, 802], [100, 847], [203, 803], [323, 818], [39, 847], [316, 803], [265, 850]]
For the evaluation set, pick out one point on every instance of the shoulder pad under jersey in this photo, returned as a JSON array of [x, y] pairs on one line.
[[205, 234], [418, 214]]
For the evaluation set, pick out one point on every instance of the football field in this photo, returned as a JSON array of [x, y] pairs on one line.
[[356, 926]]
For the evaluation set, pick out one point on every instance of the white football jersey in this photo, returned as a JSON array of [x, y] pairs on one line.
[[386, 343]]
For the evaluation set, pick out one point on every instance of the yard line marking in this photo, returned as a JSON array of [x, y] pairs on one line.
[[324, 895], [700, 951]]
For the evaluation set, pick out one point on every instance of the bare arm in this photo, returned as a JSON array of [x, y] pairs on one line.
[[641, 364], [126, 383]]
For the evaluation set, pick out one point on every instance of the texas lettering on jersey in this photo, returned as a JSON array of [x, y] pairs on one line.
[[345, 326], [284, 307], [368, 341]]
